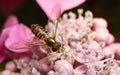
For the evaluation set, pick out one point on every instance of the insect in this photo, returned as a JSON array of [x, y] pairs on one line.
[[39, 40], [41, 33]]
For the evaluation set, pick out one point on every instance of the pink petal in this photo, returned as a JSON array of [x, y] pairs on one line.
[[100, 23], [11, 21], [110, 39], [6, 72], [79, 57], [63, 67], [69, 4], [102, 34], [51, 8], [48, 6], [108, 51], [112, 49], [80, 70], [10, 66], [56, 12], [117, 72], [45, 65], [57, 7], [3, 37], [18, 34]]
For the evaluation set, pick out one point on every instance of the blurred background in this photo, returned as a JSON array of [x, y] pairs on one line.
[[28, 12]]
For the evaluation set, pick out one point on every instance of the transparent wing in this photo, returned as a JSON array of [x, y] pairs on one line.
[[20, 45], [27, 44]]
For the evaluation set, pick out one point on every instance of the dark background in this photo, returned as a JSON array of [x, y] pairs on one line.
[[28, 12]]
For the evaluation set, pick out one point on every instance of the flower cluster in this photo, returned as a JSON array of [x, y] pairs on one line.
[[87, 46]]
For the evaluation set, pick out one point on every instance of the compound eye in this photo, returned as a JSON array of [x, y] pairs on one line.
[[56, 46]]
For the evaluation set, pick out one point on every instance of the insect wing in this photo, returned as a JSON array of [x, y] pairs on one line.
[[23, 46]]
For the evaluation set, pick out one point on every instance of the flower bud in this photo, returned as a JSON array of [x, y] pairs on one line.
[[10, 66], [63, 67], [6, 72], [99, 23]]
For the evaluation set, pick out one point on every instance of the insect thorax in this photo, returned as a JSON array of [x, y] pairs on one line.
[[52, 43]]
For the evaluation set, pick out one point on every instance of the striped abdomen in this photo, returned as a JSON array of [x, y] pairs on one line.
[[39, 31]]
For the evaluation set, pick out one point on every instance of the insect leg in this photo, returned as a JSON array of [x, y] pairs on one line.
[[55, 23]]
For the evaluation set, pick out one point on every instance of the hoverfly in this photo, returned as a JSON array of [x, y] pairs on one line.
[[41, 33], [39, 40]]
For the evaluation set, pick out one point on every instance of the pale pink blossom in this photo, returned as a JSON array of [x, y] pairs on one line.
[[80, 70], [6, 72], [54, 8], [103, 35], [22, 62], [90, 52], [99, 23], [101, 32], [108, 66], [112, 49], [111, 39], [62, 67], [45, 65], [11, 66], [87, 47]]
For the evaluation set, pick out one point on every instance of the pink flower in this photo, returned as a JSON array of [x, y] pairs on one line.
[[100, 23], [90, 52], [103, 35], [112, 49], [45, 65], [10, 66], [62, 67], [6, 72], [54, 8], [80, 70], [86, 47], [102, 67], [19, 35], [10, 22], [12, 32]]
